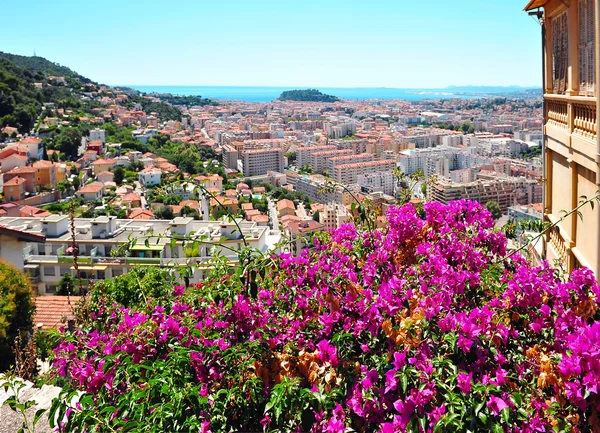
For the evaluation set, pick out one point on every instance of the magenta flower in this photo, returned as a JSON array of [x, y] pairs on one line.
[[464, 382], [496, 404]]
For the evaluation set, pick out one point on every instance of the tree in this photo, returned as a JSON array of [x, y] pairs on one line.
[[76, 182], [66, 285], [291, 156], [316, 216], [119, 175], [68, 141], [164, 213], [16, 310], [494, 209]]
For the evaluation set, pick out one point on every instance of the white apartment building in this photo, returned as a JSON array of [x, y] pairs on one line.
[[98, 134], [340, 130], [316, 191], [257, 162], [452, 140], [348, 173], [383, 181], [150, 176], [47, 260]]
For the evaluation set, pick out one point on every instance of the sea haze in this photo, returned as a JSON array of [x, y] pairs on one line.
[[267, 94]]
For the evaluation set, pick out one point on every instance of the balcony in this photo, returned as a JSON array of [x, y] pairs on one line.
[[572, 127]]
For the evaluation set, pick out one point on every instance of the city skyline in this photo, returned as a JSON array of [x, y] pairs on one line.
[[344, 45]]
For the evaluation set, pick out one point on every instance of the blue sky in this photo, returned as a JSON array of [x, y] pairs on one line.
[[325, 43]]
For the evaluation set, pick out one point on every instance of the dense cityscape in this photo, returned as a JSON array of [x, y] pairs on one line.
[[286, 169], [307, 258]]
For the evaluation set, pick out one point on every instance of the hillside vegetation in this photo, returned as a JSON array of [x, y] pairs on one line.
[[311, 95]]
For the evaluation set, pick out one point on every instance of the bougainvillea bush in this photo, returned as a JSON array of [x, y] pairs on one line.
[[422, 326]]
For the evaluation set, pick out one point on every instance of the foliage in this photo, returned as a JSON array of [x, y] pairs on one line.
[[164, 213], [134, 288], [188, 100], [494, 209], [424, 325], [20, 101], [296, 197], [66, 286], [164, 110], [43, 66], [16, 310], [312, 95], [119, 175], [15, 386], [68, 141]]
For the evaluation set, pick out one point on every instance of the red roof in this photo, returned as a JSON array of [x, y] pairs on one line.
[[52, 312], [15, 181]]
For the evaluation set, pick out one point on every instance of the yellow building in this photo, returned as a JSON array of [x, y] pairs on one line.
[[570, 32], [45, 173]]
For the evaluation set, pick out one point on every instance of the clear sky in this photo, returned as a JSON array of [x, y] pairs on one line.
[[326, 43]]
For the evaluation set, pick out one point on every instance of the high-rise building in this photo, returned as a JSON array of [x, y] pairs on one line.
[[261, 161], [570, 32]]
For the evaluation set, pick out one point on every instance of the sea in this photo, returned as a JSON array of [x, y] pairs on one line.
[[267, 94]]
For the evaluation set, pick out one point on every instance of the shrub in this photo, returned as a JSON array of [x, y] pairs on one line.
[[422, 326], [16, 311]]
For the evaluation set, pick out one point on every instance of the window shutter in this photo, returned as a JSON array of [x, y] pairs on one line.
[[587, 55], [559, 53]]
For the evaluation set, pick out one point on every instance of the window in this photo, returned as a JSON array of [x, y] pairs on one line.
[[49, 271], [117, 271], [65, 270], [50, 288], [560, 45], [587, 57]]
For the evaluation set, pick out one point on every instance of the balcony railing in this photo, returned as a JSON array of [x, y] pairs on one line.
[[558, 113], [559, 245], [584, 120], [574, 114]]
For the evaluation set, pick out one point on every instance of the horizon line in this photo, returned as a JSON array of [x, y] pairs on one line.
[[450, 87]]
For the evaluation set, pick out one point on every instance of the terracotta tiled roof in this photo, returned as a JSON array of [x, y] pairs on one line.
[[15, 181], [52, 311], [31, 211]]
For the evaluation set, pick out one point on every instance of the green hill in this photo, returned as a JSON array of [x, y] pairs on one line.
[[44, 66], [20, 101], [311, 95]]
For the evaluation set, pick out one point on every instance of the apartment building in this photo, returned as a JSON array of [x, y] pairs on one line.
[[47, 260], [383, 181], [304, 154], [230, 157], [334, 215], [348, 159], [320, 160], [506, 191], [348, 173], [257, 162], [571, 141], [317, 191]]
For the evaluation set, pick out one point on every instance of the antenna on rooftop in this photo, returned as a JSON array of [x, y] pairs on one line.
[[34, 54]]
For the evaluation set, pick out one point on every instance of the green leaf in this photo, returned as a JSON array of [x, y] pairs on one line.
[[483, 417], [505, 414], [38, 415]]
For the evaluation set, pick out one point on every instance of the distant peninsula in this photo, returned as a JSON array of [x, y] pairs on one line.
[[309, 95]]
